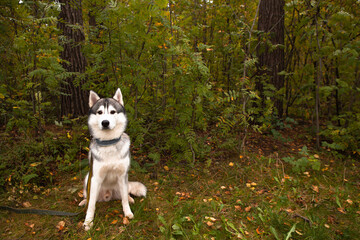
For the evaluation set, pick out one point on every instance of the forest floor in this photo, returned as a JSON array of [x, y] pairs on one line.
[[277, 190]]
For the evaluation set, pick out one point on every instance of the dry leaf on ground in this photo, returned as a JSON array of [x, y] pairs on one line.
[[125, 221], [60, 226], [27, 204]]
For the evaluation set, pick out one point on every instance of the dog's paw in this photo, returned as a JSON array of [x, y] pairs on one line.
[[131, 200], [129, 215], [88, 225], [82, 203]]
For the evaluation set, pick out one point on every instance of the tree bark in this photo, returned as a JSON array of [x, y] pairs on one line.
[[271, 61], [74, 97]]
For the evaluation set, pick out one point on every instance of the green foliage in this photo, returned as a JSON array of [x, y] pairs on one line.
[[346, 137], [300, 165], [187, 70], [31, 69], [34, 162]]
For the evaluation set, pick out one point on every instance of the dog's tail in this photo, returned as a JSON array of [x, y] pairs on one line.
[[137, 189]]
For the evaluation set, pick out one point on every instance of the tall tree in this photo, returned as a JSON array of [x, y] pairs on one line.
[[271, 58], [74, 97]]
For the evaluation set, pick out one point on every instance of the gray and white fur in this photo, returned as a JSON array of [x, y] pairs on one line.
[[110, 150]]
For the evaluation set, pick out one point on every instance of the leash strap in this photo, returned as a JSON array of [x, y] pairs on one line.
[[88, 184], [38, 211]]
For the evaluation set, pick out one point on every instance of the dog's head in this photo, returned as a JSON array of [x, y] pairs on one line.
[[107, 119]]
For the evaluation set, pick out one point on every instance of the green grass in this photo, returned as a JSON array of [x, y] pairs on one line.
[[252, 197]]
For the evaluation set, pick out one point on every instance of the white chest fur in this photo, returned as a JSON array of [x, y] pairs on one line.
[[111, 162]]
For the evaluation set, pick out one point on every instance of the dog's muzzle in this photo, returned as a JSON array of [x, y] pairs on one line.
[[105, 123]]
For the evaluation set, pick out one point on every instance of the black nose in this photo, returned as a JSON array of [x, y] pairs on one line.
[[105, 123]]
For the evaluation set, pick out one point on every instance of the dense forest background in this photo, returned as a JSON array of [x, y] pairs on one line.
[[244, 116], [189, 71]]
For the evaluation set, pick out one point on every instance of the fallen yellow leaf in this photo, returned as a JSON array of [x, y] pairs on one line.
[[166, 168], [209, 223], [247, 209], [342, 210], [212, 219], [27, 204], [315, 188], [60, 226], [125, 221], [114, 221], [30, 225], [35, 164], [231, 164]]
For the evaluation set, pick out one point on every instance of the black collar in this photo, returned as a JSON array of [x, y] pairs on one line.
[[104, 143]]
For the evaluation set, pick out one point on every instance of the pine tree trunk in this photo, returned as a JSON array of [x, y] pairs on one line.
[[74, 97], [271, 61]]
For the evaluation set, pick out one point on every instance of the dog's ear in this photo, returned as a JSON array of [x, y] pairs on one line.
[[93, 98], [118, 97]]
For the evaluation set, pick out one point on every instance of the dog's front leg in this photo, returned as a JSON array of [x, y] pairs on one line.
[[124, 196], [94, 192]]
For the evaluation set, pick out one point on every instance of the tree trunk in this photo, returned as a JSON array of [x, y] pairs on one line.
[[74, 97], [271, 61]]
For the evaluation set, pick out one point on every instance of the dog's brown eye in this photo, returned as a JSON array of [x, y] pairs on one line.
[[112, 112], [99, 112]]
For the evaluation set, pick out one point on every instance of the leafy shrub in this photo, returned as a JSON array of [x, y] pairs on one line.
[[346, 137], [299, 165], [36, 161]]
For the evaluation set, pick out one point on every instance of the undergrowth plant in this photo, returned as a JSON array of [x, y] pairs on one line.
[[306, 161], [35, 162], [344, 137]]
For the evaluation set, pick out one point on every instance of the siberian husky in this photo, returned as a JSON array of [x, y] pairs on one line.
[[110, 154]]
